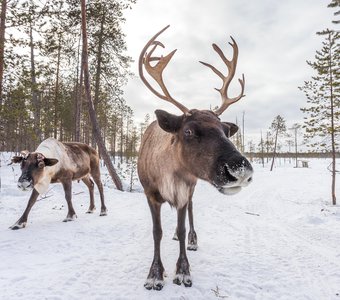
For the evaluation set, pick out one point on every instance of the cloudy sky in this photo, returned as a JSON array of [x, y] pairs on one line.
[[275, 39]]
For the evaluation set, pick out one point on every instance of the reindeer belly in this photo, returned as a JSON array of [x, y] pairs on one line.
[[80, 173]]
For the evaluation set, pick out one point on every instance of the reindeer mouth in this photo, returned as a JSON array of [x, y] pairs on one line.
[[229, 190], [25, 186]]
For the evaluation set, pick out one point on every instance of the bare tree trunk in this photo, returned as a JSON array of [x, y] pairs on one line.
[[296, 149], [98, 69], [56, 93], [274, 152], [121, 139], [35, 99], [99, 140], [262, 151], [332, 126], [267, 146], [2, 45], [243, 146], [87, 128], [79, 97], [114, 138]]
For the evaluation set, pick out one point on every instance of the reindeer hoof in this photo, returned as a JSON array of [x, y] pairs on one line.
[[17, 226], [103, 213], [181, 278], [192, 241], [155, 279], [155, 284], [91, 210], [192, 247], [70, 218]]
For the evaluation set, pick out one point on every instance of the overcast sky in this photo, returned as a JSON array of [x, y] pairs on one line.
[[275, 39]]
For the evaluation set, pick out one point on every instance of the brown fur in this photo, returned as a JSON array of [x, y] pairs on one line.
[[175, 152], [178, 150]]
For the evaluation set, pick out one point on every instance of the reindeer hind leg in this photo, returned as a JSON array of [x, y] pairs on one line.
[[71, 215], [192, 236], [95, 173], [90, 184]]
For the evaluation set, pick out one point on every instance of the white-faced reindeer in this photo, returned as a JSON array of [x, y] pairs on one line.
[[53, 162], [178, 150]]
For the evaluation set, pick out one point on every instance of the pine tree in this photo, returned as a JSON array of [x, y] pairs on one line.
[[144, 125], [335, 4], [323, 96], [278, 127], [2, 44], [261, 149]]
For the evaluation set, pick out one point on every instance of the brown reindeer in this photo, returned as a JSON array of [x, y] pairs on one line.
[[53, 162], [177, 150]]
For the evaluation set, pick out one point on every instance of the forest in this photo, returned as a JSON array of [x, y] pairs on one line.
[[42, 90]]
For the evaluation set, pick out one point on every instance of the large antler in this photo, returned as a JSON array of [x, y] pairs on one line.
[[156, 71], [231, 64]]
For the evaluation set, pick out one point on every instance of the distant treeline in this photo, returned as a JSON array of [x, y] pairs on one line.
[[292, 155]]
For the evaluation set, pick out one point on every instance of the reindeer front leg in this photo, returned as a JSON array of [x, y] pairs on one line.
[[182, 266], [155, 278], [71, 215], [21, 223]]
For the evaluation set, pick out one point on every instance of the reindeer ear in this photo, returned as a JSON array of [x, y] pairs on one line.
[[16, 159], [168, 122], [50, 162], [229, 128], [24, 153]]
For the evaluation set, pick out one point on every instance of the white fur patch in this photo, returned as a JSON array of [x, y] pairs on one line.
[[154, 283], [68, 219], [51, 148], [174, 192], [181, 278], [91, 211], [192, 247]]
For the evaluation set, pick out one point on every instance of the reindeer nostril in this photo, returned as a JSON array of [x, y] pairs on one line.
[[250, 179], [229, 177]]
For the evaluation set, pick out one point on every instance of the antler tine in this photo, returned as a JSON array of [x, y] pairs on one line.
[[231, 65], [156, 72]]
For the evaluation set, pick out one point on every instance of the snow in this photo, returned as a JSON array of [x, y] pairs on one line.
[[279, 238]]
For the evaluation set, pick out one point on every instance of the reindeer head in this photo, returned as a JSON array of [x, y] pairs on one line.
[[201, 137], [32, 168]]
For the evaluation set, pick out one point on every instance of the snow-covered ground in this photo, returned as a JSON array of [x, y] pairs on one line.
[[277, 239]]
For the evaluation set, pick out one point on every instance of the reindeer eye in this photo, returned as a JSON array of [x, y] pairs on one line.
[[188, 132]]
